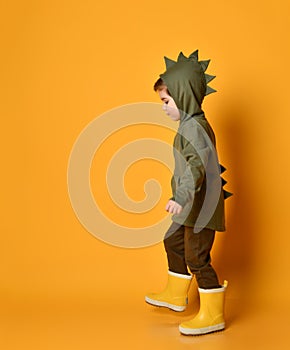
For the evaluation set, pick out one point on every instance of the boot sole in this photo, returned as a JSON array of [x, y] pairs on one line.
[[164, 304], [200, 331]]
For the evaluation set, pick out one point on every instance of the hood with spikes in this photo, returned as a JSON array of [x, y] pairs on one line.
[[187, 83]]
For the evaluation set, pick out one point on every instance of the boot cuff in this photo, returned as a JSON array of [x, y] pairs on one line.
[[214, 290], [179, 275]]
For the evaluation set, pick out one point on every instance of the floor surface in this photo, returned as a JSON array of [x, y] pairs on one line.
[[119, 323]]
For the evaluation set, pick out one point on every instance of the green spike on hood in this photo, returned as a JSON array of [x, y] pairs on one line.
[[181, 57], [168, 62], [187, 83], [209, 90], [204, 64], [209, 78], [194, 55]]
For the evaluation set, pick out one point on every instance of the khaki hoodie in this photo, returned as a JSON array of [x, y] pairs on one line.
[[196, 183]]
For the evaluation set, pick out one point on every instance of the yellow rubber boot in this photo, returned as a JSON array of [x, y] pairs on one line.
[[210, 317], [174, 295]]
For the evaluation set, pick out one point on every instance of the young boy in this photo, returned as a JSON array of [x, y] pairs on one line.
[[197, 204]]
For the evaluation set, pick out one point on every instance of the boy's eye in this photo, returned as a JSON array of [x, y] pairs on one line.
[[166, 102]]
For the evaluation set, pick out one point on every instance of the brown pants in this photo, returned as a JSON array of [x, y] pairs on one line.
[[185, 248]]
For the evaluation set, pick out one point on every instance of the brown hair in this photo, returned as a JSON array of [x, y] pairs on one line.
[[159, 85]]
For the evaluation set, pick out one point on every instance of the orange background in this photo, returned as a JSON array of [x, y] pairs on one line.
[[66, 62]]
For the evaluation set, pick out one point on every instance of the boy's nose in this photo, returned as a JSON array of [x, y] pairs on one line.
[[164, 107]]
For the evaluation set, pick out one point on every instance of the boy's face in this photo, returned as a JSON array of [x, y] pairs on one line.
[[169, 105]]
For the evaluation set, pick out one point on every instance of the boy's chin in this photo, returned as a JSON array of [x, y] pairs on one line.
[[173, 117]]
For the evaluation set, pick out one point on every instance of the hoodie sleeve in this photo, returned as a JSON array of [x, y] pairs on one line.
[[196, 154]]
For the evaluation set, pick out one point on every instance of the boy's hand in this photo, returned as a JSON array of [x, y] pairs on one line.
[[173, 207]]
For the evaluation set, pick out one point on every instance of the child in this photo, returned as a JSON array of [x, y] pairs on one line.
[[197, 204]]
